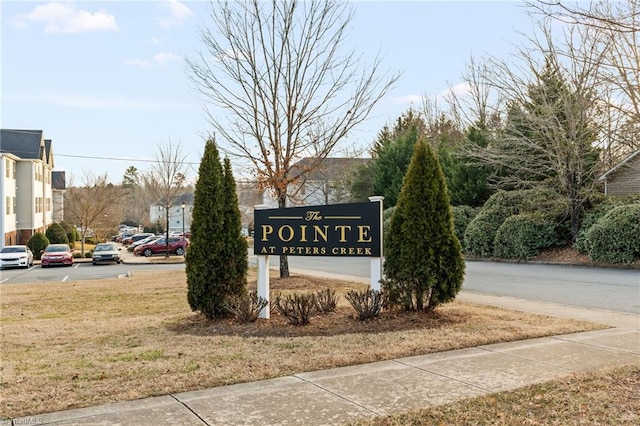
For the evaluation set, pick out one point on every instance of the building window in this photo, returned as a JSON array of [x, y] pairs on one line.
[[14, 205], [7, 167], [48, 204], [8, 205]]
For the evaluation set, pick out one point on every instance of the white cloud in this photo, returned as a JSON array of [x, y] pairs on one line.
[[140, 63], [408, 99], [177, 14], [66, 18], [164, 57], [459, 90], [73, 100]]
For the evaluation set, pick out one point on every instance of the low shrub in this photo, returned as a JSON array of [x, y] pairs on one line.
[[462, 216], [616, 237], [37, 243], [246, 308], [367, 303], [327, 301], [296, 308], [522, 236], [88, 254], [77, 255]]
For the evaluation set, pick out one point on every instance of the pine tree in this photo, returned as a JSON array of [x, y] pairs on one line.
[[214, 263], [424, 266]]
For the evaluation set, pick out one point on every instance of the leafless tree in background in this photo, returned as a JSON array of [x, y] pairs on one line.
[[279, 83], [551, 116], [165, 179], [92, 206], [616, 25]]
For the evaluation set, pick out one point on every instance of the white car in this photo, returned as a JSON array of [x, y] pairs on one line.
[[106, 253], [16, 257]]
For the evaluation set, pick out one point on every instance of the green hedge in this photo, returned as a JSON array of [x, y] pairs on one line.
[[615, 238], [481, 232], [462, 216], [522, 236], [598, 209]]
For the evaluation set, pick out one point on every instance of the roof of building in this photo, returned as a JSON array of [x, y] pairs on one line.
[[177, 200], [330, 168], [58, 180], [620, 165], [27, 144]]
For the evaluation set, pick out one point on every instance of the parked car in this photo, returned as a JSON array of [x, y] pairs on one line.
[[56, 254], [16, 256], [135, 244], [136, 237], [177, 245], [124, 236], [106, 253]]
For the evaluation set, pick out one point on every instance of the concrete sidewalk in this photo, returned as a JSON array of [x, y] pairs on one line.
[[346, 394]]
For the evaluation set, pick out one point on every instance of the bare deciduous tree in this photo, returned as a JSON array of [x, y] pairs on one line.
[[551, 118], [279, 84], [616, 27], [91, 206], [165, 179]]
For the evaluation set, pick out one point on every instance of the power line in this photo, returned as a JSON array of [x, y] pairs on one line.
[[115, 158]]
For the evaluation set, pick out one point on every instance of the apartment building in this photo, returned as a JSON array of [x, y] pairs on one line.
[[25, 188]]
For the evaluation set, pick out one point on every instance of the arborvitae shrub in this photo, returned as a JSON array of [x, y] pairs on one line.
[[56, 234], [424, 264], [37, 243], [216, 260], [522, 236], [616, 237], [462, 216]]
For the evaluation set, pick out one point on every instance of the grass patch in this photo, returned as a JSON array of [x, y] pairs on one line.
[[609, 397], [79, 344]]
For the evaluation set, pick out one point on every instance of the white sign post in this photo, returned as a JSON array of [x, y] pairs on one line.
[[263, 276]]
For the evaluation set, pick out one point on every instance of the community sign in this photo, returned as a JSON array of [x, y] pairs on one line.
[[328, 230]]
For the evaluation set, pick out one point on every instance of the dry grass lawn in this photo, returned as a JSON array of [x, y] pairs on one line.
[[84, 343]]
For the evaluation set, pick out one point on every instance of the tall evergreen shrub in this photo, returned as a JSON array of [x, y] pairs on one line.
[[424, 266], [37, 243], [214, 262], [56, 234], [71, 233]]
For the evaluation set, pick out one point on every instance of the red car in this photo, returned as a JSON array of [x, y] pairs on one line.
[[177, 245], [56, 254]]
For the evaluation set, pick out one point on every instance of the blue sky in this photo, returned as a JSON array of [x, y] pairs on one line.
[[106, 80]]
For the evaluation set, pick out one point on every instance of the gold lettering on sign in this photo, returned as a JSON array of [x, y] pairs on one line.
[[281, 233], [319, 232], [363, 234], [312, 215], [342, 229], [266, 230]]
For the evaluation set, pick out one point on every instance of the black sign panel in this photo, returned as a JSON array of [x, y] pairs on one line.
[[330, 230]]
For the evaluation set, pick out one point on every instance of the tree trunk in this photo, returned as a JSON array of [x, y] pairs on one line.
[[284, 260]]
